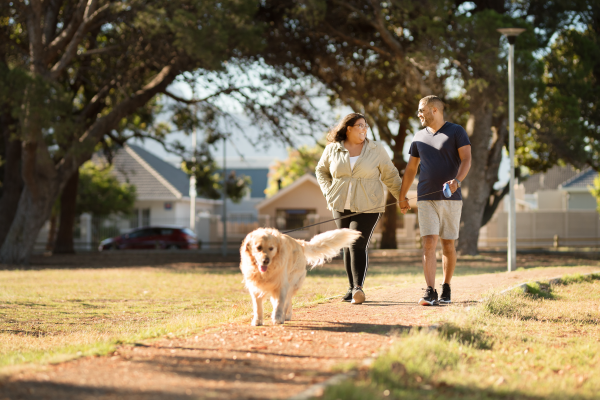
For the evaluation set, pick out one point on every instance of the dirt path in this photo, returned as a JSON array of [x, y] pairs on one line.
[[238, 361]]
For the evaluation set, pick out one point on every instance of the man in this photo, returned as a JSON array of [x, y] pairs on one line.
[[443, 150]]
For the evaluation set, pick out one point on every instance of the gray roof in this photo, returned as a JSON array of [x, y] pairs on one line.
[[130, 166], [155, 178], [550, 179], [176, 177], [582, 180]]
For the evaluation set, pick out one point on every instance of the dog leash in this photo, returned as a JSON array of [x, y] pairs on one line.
[[358, 212]]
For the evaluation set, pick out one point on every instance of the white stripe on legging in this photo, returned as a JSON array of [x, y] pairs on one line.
[[367, 251]]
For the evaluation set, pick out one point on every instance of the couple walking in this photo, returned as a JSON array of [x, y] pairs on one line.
[[351, 172]]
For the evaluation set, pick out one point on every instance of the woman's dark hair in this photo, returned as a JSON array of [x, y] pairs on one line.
[[338, 132]]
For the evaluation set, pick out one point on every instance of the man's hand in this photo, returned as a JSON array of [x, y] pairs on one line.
[[404, 206], [453, 185]]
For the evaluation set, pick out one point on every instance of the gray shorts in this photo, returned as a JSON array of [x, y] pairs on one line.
[[440, 217]]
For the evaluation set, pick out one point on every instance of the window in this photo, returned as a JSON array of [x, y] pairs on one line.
[[188, 232], [141, 233], [140, 217], [292, 219]]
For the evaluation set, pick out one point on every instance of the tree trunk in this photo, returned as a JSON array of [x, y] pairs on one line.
[[12, 182], [388, 233], [476, 189], [51, 232], [32, 213], [390, 216], [68, 200]]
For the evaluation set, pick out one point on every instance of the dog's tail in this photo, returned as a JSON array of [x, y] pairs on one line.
[[327, 245]]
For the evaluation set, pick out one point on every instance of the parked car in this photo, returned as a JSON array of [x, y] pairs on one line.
[[152, 237]]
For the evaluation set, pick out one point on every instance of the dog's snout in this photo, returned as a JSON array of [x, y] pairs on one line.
[[267, 260]]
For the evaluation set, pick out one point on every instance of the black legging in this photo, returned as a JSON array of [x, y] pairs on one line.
[[356, 258]]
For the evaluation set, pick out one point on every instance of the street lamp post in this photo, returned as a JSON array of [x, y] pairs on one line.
[[193, 192], [224, 217], [511, 34]]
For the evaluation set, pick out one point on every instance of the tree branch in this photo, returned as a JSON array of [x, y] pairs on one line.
[[34, 31], [386, 35], [196, 101], [50, 20], [84, 149], [67, 33], [89, 17], [356, 41]]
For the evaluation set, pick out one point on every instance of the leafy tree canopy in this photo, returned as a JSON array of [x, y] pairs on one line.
[[101, 194]]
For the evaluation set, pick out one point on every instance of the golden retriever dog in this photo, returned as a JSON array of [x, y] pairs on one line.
[[274, 265]]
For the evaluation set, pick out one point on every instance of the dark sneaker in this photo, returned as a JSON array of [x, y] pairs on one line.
[[358, 296], [348, 295], [430, 297], [445, 297]]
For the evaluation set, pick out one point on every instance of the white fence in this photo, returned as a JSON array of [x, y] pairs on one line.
[[534, 230]]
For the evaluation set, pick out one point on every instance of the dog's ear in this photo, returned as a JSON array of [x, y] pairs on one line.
[[246, 251]]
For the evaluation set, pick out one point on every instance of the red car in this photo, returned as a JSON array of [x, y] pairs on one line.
[[152, 237]]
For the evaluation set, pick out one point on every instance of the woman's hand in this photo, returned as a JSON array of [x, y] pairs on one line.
[[404, 206]]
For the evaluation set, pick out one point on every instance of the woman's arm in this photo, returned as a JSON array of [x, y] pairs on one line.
[[322, 172], [389, 173]]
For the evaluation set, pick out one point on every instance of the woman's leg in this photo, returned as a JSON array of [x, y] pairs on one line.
[[345, 223], [359, 258]]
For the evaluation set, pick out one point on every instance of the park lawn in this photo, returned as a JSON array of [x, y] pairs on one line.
[[54, 315], [545, 344]]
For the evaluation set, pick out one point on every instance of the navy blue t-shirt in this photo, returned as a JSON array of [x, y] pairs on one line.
[[439, 159]]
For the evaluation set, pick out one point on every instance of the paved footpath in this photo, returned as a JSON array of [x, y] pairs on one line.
[[238, 361]]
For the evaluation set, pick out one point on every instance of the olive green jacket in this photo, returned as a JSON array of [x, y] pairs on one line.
[[372, 170]]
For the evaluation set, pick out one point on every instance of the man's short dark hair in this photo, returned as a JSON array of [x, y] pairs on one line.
[[433, 99]]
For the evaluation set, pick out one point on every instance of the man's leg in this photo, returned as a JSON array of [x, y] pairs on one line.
[[429, 262], [448, 259]]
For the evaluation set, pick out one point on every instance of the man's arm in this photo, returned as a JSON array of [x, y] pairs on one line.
[[407, 180], [465, 165]]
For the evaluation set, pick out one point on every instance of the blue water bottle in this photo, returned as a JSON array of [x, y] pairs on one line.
[[446, 190]]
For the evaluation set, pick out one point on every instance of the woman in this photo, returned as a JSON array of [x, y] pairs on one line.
[[350, 173]]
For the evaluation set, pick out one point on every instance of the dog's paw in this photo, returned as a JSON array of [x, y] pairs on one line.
[[257, 322], [288, 317], [278, 321]]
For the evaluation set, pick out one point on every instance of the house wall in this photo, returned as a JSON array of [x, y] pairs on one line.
[[581, 201], [305, 196], [179, 214], [551, 200]]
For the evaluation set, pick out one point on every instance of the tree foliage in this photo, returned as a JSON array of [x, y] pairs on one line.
[[595, 190], [209, 177], [101, 194], [564, 124]]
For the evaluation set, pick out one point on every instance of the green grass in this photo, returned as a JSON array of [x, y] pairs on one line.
[[543, 344]]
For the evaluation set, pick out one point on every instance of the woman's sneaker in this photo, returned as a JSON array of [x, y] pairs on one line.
[[348, 295], [445, 298], [430, 298], [358, 296]]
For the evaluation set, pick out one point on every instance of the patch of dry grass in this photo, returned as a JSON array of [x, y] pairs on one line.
[[58, 314]]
